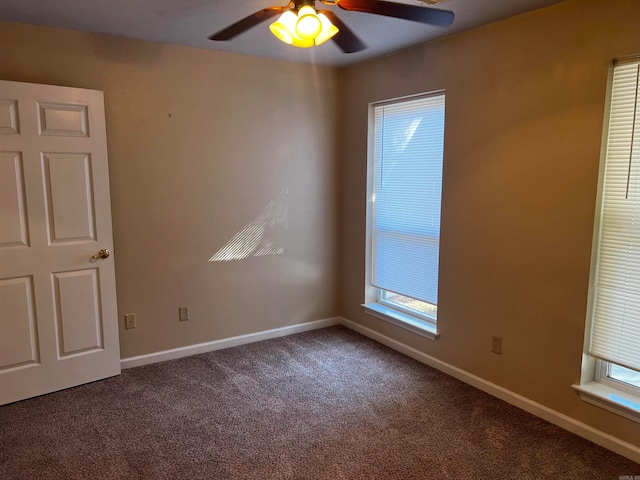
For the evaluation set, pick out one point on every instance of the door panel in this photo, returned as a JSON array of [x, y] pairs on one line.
[[8, 116], [58, 315], [69, 196], [78, 318], [19, 347], [13, 213], [63, 120]]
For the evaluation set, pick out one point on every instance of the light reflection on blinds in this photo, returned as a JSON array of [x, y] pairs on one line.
[[407, 191], [615, 335]]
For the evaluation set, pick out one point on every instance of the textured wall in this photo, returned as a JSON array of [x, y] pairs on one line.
[[205, 148], [525, 105]]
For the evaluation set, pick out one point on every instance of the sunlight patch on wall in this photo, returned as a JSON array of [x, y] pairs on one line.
[[260, 237]]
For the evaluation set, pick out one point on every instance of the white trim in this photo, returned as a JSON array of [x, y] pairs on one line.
[[402, 320], [610, 398], [603, 439], [225, 343], [408, 98]]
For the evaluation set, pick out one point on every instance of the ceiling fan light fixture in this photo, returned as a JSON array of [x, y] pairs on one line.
[[328, 29], [301, 25], [308, 25], [285, 27], [302, 42]]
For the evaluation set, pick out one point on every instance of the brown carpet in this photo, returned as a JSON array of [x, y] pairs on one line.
[[327, 404]]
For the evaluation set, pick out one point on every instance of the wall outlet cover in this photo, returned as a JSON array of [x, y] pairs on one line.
[[130, 321]]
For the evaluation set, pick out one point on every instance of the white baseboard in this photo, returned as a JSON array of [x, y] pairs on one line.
[[583, 430], [225, 343]]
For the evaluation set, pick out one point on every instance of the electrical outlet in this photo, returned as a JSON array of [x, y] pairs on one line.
[[183, 314], [496, 345], [130, 321]]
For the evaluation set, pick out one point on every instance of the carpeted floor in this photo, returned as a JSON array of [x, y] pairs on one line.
[[326, 404]]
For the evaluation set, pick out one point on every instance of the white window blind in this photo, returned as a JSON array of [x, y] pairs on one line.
[[615, 335], [407, 191]]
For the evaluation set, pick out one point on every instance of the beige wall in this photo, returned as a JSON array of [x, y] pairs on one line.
[[525, 106], [202, 144]]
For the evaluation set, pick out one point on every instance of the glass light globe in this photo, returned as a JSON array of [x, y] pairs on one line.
[[308, 24]]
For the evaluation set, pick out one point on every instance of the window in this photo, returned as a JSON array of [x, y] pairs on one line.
[[405, 190], [619, 377], [613, 340]]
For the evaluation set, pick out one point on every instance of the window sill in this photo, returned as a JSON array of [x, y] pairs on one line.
[[402, 320], [611, 399]]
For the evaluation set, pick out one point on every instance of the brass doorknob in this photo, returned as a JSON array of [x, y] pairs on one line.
[[104, 253]]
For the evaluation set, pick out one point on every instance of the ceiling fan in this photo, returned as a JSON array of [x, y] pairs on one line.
[[301, 25]]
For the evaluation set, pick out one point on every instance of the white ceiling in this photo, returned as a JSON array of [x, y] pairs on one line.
[[190, 22]]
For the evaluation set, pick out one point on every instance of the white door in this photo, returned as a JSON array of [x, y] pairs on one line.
[[58, 316]]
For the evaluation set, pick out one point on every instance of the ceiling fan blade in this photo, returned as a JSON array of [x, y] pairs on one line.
[[345, 38], [246, 23], [430, 16]]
